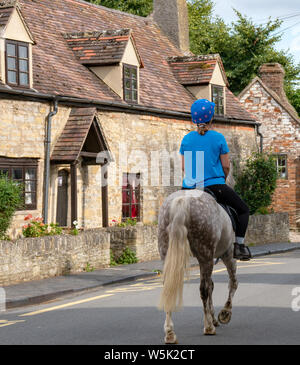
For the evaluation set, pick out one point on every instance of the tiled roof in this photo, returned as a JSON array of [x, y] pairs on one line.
[[196, 70], [234, 108], [72, 138], [99, 48], [5, 14], [57, 71]]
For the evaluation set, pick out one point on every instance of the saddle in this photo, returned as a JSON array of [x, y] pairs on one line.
[[228, 209]]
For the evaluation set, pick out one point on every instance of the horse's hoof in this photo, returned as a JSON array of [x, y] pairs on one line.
[[216, 323], [224, 316], [171, 339], [210, 331]]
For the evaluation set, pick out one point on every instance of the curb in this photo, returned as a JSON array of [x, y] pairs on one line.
[[42, 299]]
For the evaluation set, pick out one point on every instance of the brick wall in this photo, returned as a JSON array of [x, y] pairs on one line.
[[281, 136]]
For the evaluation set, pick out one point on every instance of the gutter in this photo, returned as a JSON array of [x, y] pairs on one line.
[[47, 159], [261, 137], [113, 105]]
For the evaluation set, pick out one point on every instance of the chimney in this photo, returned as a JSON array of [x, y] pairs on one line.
[[172, 18], [272, 75]]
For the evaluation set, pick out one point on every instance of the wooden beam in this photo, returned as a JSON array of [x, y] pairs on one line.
[[74, 203], [89, 154]]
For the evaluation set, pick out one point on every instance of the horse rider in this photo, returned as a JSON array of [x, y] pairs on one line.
[[215, 164]]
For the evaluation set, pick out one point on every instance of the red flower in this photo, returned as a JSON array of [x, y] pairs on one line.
[[29, 216]]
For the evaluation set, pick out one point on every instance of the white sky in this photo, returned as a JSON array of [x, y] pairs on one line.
[[260, 10]]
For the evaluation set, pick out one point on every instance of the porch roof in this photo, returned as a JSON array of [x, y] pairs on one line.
[[72, 140]]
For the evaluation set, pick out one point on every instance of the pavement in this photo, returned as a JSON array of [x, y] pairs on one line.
[[41, 291]]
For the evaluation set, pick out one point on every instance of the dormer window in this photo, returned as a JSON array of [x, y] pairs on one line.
[[112, 56], [130, 83], [217, 93], [17, 63]]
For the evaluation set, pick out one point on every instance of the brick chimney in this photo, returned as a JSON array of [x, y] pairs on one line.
[[272, 75], [172, 18]]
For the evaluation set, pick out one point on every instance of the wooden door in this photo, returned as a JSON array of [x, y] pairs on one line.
[[62, 198]]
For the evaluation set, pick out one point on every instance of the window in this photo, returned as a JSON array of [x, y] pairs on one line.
[[17, 63], [281, 162], [218, 99], [130, 83], [24, 171], [131, 196]]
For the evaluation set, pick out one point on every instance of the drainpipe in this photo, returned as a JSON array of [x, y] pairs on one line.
[[261, 138], [47, 161]]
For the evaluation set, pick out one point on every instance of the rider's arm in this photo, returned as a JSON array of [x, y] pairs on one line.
[[225, 164], [182, 162]]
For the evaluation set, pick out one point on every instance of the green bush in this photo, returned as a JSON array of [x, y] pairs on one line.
[[10, 201], [36, 228], [128, 257], [257, 181]]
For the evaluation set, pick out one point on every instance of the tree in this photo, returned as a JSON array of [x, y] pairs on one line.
[[257, 181], [137, 7], [243, 47]]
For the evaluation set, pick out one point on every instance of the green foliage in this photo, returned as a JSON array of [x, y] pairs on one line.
[[127, 257], [127, 222], [89, 267], [137, 7], [10, 201], [36, 228], [257, 181], [243, 47]]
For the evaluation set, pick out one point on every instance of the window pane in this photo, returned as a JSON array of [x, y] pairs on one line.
[[127, 72], [11, 63], [29, 186], [24, 79], [23, 65], [11, 49], [3, 171], [134, 73], [127, 84], [127, 94], [12, 77], [134, 95], [29, 198], [134, 84], [30, 174], [23, 52], [17, 174]]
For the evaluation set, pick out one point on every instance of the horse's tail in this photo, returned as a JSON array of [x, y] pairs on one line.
[[178, 256]]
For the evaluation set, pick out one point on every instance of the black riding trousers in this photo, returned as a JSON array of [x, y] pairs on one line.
[[226, 195]]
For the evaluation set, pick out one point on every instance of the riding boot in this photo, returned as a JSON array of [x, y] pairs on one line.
[[241, 252]]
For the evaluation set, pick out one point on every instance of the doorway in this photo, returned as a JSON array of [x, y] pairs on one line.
[[62, 198]]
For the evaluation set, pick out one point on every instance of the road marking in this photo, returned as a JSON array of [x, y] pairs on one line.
[[4, 323], [65, 305], [149, 284]]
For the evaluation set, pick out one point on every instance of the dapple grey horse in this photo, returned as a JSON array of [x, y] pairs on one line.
[[191, 222]]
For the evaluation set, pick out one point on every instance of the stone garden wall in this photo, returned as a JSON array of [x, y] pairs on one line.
[[38, 258]]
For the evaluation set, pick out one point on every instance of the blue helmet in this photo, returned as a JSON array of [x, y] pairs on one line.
[[202, 111]]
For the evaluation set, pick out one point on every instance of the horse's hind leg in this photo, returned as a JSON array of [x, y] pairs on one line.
[[170, 336], [206, 288], [230, 263]]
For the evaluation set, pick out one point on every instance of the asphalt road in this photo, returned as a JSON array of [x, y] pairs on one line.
[[266, 311]]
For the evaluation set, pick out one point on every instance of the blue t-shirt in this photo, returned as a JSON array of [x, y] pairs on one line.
[[202, 158]]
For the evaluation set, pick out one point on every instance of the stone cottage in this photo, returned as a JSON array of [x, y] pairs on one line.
[[265, 98], [94, 103]]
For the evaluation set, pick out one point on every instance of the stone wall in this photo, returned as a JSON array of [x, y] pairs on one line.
[[38, 258], [269, 228]]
